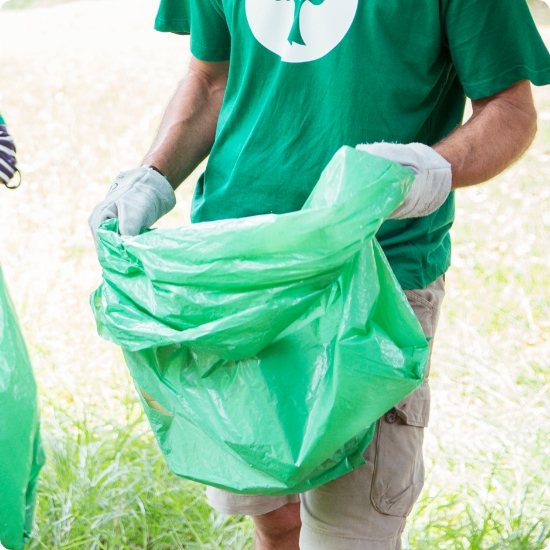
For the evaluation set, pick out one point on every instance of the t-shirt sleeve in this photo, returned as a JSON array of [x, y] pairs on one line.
[[204, 20], [494, 44]]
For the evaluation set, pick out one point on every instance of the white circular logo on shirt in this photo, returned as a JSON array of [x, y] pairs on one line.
[[300, 30]]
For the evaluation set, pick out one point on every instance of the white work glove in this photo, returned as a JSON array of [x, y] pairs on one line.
[[432, 184], [138, 198]]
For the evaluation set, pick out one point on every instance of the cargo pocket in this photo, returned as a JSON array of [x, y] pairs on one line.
[[398, 475], [398, 460]]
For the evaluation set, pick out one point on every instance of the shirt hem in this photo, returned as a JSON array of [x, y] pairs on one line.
[[176, 26], [493, 85], [419, 280], [209, 54]]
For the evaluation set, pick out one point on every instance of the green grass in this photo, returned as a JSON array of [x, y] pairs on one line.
[[106, 487], [468, 524], [496, 515]]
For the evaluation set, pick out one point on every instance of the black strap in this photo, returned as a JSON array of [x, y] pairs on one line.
[[11, 185]]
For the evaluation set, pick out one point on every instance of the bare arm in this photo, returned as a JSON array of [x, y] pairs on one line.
[[499, 132], [188, 128]]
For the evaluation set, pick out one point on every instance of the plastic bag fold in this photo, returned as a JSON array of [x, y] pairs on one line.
[[264, 349]]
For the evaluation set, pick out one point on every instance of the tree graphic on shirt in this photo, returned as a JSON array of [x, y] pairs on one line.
[[295, 35]]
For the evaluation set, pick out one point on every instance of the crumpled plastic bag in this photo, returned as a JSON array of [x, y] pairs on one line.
[[264, 349], [21, 453]]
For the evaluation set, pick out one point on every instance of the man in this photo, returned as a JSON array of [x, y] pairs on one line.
[[274, 89]]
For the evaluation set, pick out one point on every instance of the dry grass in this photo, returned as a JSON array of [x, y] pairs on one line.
[[83, 87]]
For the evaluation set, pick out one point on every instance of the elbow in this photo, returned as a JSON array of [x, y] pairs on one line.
[[532, 126], [518, 107], [525, 130], [527, 114]]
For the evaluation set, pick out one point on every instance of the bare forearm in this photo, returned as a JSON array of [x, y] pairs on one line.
[[188, 128], [500, 131]]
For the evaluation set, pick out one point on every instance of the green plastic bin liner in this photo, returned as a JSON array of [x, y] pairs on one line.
[[265, 348], [21, 454]]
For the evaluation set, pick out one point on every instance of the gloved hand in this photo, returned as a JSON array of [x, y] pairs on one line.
[[8, 162], [138, 198], [432, 184]]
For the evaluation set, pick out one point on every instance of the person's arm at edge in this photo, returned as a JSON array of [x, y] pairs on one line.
[[188, 127], [499, 132]]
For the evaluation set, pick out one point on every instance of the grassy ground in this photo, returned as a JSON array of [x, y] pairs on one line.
[[83, 87]]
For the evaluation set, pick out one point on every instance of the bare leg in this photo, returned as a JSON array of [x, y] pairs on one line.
[[280, 529]]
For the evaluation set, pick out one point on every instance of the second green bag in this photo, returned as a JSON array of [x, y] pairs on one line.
[[21, 453], [264, 349]]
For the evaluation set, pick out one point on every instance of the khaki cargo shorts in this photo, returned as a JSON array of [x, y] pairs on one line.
[[367, 508]]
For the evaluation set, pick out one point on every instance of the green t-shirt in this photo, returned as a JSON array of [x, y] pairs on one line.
[[2, 121], [309, 76]]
